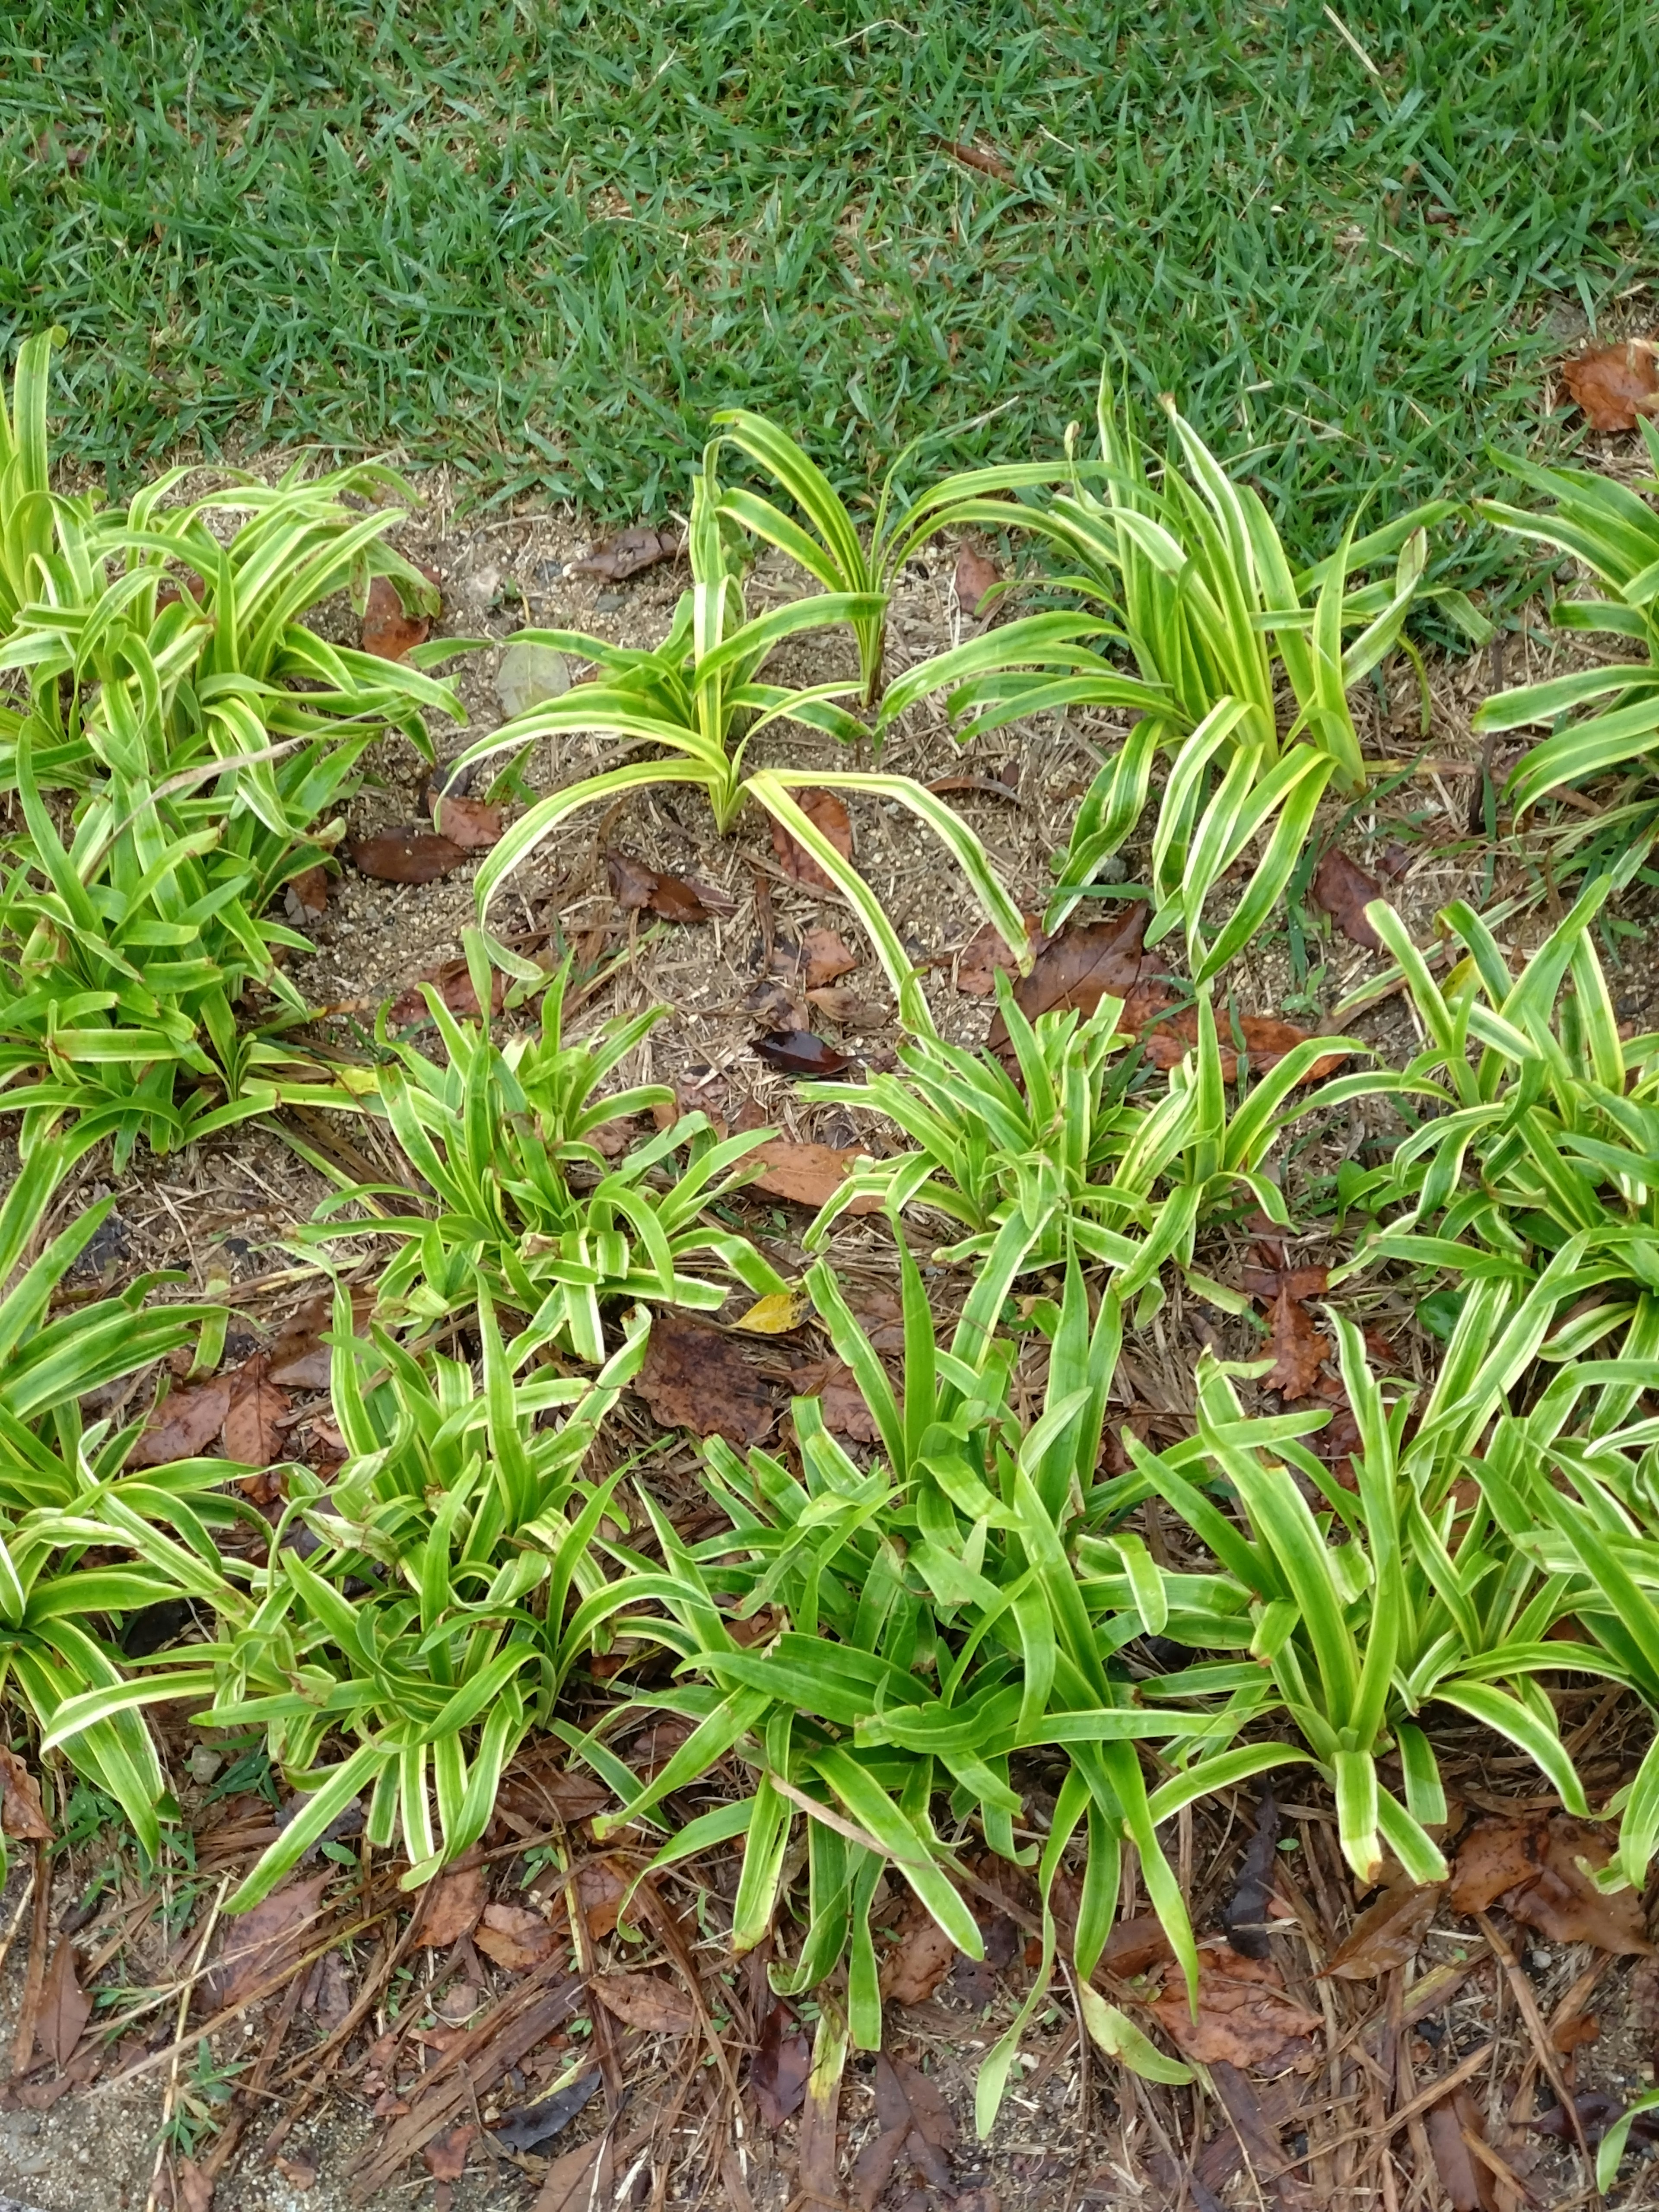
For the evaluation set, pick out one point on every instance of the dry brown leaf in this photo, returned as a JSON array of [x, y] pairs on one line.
[[405, 856], [1298, 1347], [193, 2186], [388, 633], [676, 898], [912, 2119], [1569, 2035], [259, 1944], [841, 1402], [1614, 383], [1388, 1934], [1497, 1854], [1564, 1903], [65, 2007], [453, 981], [1081, 967], [305, 895], [328, 1991], [918, 1962], [1341, 886], [987, 952], [645, 2002], [697, 1377], [473, 824], [515, 1937], [826, 958], [456, 1906], [601, 1886], [23, 1815], [1470, 2184], [848, 1010], [254, 1434], [299, 1360], [580, 2180], [1135, 1945], [1244, 2016], [299, 2172], [184, 1425], [626, 553], [1266, 1039], [827, 814], [976, 574], [808, 1175], [778, 2071], [981, 158], [445, 2155]]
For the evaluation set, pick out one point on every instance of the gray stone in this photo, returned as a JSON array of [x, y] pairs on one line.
[[528, 674]]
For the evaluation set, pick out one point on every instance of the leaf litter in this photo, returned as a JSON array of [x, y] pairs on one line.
[[1615, 385], [827, 814]]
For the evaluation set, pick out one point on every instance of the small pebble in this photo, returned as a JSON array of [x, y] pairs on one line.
[[608, 602]]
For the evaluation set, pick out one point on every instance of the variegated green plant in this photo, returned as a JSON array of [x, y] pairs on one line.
[[81, 1542], [933, 1629], [699, 698], [521, 1203], [1611, 528], [1066, 1148], [1364, 1606], [422, 1635]]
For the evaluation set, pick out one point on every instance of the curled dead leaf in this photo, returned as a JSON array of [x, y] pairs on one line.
[[918, 1962], [1467, 2179], [1298, 1347], [778, 2071], [800, 1052], [1244, 2016], [515, 1937], [254, 1434], [976, 575]]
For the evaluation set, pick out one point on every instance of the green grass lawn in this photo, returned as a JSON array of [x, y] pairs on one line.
[[545, 239]]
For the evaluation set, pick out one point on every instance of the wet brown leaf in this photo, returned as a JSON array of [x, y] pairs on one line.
[[445, 2155], [800, 1052], [515, 1937], [405, 856], [1341, 886], [1388, 1934], [976, 575], [986, 953], [473, 824], [646, 2001], [1297, 1347], [184, 1425], [388, 633], [457, 1902], [305, 895], [918, 1962], [23, 1815], [627, 553], [827, 814], [1614, 383], [1471, 2185], [697, 1377], [1244, 2015], [808, 1175], [252, 1430], [65, 2007], [258, 1944], [778, 2071]]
